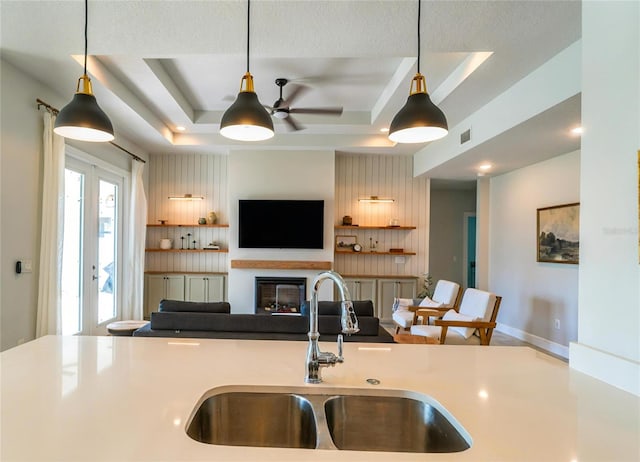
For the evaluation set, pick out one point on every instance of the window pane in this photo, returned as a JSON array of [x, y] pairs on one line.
[[107, 239], [71, 292]]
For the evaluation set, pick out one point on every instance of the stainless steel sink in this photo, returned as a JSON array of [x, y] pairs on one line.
[[281, 420], [326, 418], [390, 423]]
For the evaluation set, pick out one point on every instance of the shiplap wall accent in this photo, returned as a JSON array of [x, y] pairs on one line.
[[176, 175], [359, 176]]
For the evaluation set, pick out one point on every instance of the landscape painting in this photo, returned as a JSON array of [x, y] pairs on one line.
[[559, 234]]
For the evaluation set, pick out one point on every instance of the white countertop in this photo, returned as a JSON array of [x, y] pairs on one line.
[[128, 399]]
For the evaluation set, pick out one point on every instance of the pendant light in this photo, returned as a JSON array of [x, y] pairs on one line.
[[419, 120], [82, 119], [246, 119]]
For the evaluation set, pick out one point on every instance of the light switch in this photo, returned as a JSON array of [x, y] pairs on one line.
[[399, 260]]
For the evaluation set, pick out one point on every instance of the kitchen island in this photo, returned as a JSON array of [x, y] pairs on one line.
[[129, 399]]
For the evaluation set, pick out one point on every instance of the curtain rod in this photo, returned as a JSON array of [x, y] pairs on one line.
[[55, 111]]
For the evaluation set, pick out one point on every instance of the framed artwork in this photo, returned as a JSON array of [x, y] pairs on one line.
[[345, 242], [558, 234]]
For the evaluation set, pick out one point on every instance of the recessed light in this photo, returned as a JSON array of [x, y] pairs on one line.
[[485, 167], [180, 128], [384, 129], [577, 131]]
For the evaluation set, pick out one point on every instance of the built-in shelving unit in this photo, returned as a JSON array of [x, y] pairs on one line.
[[356, 227], [369, 253], [168, 225], [189, 250]]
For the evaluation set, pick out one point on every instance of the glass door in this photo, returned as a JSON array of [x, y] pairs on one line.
[[91, 249]]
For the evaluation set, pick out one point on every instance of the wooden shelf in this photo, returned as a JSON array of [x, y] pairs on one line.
[[375, 227], [281, 264], [365, 252], [187, 250], [196, 225]]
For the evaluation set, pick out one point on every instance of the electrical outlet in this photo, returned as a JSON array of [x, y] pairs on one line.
[[399, 260], [556, 324]]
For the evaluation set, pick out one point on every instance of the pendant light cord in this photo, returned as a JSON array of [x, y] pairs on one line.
[[86, 20], [248, 16], [419, 3]]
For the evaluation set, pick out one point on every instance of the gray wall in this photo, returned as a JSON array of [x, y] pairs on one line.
[[448, 207]]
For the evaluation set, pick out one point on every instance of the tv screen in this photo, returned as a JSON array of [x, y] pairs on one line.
[[281, 224]]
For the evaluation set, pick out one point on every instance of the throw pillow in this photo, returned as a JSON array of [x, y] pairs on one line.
[[452, 315], [428, 303], [401, 304]]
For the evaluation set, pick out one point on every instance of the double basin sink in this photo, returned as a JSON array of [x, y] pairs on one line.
[[326, 418]]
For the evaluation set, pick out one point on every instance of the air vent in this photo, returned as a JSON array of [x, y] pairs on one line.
[[465, 136]]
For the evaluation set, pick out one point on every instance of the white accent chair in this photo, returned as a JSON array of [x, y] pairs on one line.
[[472, 324], [445, 296]]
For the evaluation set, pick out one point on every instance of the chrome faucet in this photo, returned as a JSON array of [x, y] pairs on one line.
[[317, 359]]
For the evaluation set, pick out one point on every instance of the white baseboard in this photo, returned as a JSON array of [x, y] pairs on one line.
[[540, 342], [617, 371]]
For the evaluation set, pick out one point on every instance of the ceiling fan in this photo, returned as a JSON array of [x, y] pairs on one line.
[[282, 109]]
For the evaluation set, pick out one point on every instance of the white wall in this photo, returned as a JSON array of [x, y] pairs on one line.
[[365, 175], [608, 344], [534, 294], [178, 174], [21, 129], [278, 175], [448, 208]]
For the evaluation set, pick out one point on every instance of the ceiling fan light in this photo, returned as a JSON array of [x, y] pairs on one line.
[[418, 121], [246, 119], [82, 119]]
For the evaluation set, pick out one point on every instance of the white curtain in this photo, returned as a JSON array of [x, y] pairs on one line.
[[133, 268], [50, 267]]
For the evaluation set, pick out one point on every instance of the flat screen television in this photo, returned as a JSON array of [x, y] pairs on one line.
[[281, 224]]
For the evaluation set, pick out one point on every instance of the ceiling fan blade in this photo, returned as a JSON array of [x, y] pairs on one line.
[[297, 91], [293, 125], [317, 110]]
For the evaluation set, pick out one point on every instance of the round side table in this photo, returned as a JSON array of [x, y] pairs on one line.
[[125, 328]]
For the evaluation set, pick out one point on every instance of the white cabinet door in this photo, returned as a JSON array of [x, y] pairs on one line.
[[205, 288], [159, 286], [388, 289]]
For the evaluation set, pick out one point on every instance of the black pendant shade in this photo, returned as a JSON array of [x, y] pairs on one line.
[[82, 119], [418, 121], [246, 119]]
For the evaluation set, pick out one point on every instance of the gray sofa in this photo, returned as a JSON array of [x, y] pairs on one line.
[[214, 320]]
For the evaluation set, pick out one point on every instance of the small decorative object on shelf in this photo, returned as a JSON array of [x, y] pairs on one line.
[[163, 222], [394, 222], [372, 245], [347, 221], [396, 250], [212, 246], [194, 244], [211, 218], [202, 221], [181, 242], [357, 248], [165, 244]]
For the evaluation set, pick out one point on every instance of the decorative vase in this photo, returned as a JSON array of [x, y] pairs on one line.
[[202, 221], [165, 244], [211, 218]]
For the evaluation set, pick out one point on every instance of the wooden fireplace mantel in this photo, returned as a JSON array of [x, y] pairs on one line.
[[281, 264]]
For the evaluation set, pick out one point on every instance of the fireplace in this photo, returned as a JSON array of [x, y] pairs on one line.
[[280, 295]]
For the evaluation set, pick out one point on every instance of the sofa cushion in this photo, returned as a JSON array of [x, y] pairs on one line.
[[368, 325], [326, 308], [193, 307], [229, 322]]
